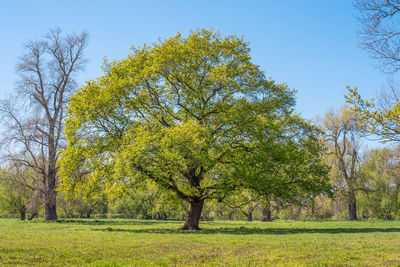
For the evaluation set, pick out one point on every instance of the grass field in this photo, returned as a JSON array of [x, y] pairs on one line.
[[159, 243]]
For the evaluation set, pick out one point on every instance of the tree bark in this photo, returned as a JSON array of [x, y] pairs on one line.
[[352, 206], [50, 208], [50, 211], [249, 216], [266, 212], [22, 213], [193, 218]]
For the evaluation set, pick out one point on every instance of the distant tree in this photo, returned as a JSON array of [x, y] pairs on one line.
[[266, 209], [243, 200], [323, 207], [33, 126], [381, 174], [80, 208], [219, 210], [174, 113], [19, 192], [342, 135]]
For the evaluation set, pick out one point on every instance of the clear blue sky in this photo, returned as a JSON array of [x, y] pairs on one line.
[[311, 45]]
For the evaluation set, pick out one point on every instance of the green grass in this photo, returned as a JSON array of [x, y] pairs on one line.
[[159, 243]]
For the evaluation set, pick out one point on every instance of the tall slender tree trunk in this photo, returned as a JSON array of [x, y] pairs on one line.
[[352, 205], [50, 208], [266, 212], [193, 218]]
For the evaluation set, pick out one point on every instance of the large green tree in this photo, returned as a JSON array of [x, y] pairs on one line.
[[175, 112]]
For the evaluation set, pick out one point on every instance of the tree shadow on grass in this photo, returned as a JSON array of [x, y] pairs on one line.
[[258, 231], [107, 222]]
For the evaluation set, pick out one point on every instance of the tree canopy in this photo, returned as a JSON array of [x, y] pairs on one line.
[[179, 112]]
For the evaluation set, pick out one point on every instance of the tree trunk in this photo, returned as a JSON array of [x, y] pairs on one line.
[[32, 216], [352, 206], [50, 210], [266, 212], [193, 218], [230, 215], [22, 213], [313, 208], [249, 216]]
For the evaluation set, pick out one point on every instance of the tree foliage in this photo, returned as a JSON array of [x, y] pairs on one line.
[[18, 192], [383, 122], [285, 160], [178, 112], [381, 177]]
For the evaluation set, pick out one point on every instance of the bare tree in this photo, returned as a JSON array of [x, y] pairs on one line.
[[380, 31], [380, 36], [34, 127]]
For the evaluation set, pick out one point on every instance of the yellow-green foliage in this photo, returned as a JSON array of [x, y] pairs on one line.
[[173, 112], [382, 122]]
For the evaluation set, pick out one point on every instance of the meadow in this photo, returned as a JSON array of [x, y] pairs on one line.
[[160, 243]]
